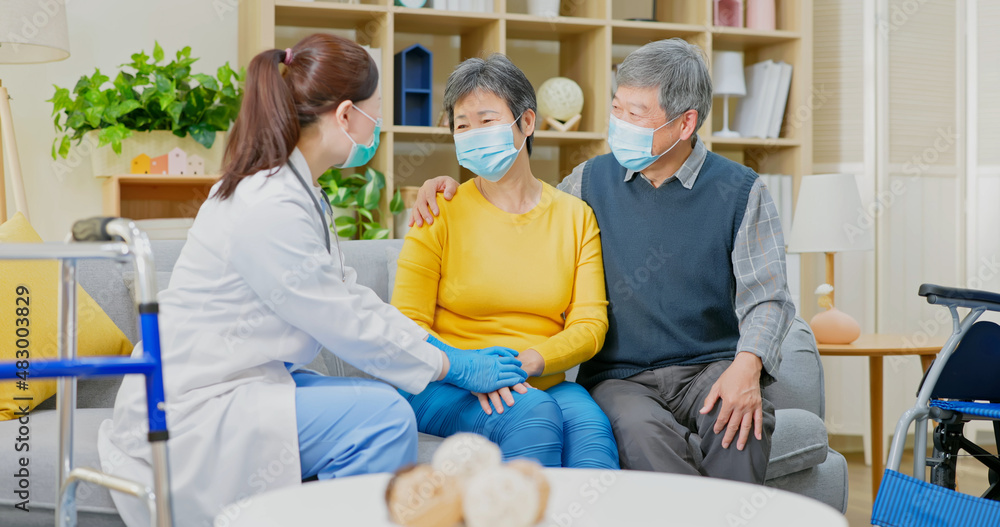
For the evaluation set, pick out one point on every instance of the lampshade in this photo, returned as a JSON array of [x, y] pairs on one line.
[[33, 31], [828, 216], [727, 73]]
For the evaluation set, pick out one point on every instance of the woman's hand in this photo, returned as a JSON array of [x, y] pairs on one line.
[[425, 208], [502, 394]]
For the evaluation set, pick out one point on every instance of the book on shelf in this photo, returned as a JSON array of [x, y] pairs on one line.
[[760, 112], [781, 99]]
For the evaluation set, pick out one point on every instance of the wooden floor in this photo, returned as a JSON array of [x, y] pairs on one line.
[[972, 479]]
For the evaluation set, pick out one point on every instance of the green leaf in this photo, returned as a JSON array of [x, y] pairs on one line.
[[368, 196], [342, 198], [60, 100], [98, 79], [175, 110], [225, 74], [82, 84], [380, 233], [75, 120], [54, 141], [114, 135], [207, 81], [121, 108], [396, 205], [139, 58], [202, 133], [346, 226], [64, 147], [365, 213], [93, 115], [374, 175], [157, 53], [94, 97]]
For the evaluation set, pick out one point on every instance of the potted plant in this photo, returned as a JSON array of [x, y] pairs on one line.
[[149, 108], [355, 198]]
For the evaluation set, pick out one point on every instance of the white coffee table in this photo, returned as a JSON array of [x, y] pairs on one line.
[[580, 498]]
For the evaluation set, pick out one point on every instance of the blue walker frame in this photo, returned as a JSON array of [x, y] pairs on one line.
[[99, 235]]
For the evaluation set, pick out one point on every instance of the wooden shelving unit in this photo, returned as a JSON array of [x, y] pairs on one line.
[[147, 196], [590, 36]]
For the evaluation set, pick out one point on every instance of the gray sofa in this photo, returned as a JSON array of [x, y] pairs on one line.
[[801, 460]]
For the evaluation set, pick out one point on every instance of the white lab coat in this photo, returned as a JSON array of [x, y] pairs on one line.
[[254, 287]]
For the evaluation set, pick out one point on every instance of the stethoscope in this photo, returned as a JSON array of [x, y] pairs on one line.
[[322, 220]]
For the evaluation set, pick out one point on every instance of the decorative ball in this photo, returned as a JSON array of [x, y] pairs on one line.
[[420, 496], [533, 471], [500, 497], [464, 455], [560, 98]]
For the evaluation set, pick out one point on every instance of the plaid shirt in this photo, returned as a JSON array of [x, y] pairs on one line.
[[763, 305]]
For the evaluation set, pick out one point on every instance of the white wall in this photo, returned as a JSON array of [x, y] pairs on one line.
[[103, 34]]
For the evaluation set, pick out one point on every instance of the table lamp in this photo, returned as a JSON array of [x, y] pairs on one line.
[[825, 221], [30, 33], [727, 80]]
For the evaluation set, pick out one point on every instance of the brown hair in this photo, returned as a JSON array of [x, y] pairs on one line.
[[324, 71]]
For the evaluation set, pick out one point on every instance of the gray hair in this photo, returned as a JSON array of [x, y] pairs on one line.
[[678, 69], [497, 75]]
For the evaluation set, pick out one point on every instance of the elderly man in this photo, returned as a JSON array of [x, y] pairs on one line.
[[695, 268]]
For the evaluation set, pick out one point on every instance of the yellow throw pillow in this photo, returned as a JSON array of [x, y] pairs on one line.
[[29, 303]]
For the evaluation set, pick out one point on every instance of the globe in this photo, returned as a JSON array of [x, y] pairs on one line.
[[560, 98]]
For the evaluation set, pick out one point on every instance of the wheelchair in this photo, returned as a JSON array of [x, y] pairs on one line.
[[961, 385], [121, 240]]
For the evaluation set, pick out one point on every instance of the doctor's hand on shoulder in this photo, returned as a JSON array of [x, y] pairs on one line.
[[425, 207], [484, 370]]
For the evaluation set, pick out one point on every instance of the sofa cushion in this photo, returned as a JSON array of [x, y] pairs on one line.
[[29, 292], [826, 482], [368, 258], [799, 442]]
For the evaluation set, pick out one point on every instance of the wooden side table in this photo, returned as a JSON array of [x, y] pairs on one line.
[[875, 347]]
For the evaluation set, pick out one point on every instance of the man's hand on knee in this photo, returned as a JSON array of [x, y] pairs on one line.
[[742, 409]]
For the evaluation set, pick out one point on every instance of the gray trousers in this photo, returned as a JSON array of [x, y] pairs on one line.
[[656, 422]]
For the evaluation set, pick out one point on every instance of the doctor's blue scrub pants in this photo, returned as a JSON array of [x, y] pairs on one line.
[[350, 426], [558, 427]]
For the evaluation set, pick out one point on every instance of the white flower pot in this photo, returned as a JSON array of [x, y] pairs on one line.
[[105, 162]]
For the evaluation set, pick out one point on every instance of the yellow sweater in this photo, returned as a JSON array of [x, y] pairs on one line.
[[482, 277]]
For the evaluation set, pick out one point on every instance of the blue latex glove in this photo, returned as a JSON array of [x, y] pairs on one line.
[[481, 371]]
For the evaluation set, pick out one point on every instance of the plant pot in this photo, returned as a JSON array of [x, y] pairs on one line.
[[105, 162], [545, 8]]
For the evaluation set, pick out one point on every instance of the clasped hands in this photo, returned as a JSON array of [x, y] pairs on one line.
[[489, 373]]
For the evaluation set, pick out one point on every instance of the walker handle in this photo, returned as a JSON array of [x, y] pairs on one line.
[[92, 229]]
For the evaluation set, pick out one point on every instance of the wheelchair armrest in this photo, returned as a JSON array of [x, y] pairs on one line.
[[937, 294]]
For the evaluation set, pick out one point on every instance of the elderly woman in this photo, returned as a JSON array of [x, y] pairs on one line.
[[691, 344], [511, 262]]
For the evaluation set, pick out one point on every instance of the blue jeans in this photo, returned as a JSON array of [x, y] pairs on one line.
[[351, 426], [558, 427]]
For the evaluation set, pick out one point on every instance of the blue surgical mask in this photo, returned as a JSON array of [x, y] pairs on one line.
[[633, 145], [360, 155], [488, 152]]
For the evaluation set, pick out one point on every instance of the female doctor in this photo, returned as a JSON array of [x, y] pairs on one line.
[[258, 289]]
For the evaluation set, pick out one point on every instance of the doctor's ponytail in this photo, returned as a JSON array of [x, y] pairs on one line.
[[283, 94]]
